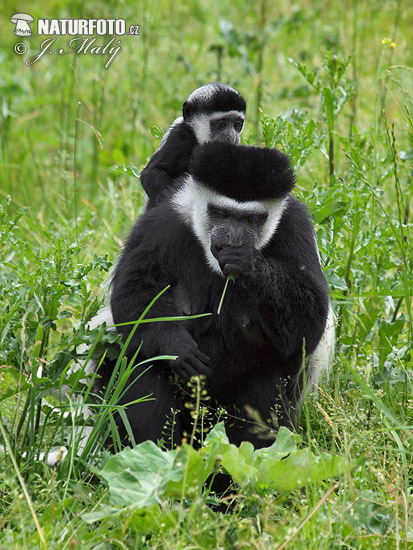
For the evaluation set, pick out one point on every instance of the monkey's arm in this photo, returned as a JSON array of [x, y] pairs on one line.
[[285, 283], [160, 177], [141, 273], [292, 291]]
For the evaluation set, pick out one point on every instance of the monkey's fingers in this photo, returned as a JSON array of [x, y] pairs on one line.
[[190, 366], [202, 357], [183, 369], [199, 367]]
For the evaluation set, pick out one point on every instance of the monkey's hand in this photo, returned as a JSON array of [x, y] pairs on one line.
[[190, 361], [239, 262]]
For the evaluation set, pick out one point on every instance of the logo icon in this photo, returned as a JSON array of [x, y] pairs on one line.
[[22, 22]]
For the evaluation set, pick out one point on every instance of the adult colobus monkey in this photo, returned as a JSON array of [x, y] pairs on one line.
[[214, 112], [233, 214]]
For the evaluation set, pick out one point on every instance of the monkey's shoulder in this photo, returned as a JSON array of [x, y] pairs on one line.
[[294, 237], [159, 228], [179, 140]]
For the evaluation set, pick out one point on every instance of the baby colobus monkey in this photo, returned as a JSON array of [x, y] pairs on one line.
[[214, 112]]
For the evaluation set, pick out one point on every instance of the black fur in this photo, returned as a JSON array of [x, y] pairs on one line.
[[161, 177], [242, 172], [251, 354], [224, 99]]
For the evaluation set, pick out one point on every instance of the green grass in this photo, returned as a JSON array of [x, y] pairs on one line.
[[320, 84]]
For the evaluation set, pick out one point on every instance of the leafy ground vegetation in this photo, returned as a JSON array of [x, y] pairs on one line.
[[329, 83]]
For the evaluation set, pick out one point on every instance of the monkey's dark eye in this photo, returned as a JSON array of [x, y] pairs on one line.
[[238, 126], [221, 124]]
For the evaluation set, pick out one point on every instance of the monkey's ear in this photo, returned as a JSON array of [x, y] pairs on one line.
[[186, 111]]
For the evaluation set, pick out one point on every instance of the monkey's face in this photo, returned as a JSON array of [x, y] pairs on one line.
[[226, 127], [233, 244], [232, 234], [234, 238]]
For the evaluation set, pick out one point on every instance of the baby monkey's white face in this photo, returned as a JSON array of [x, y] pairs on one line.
[[219, 126], [227, 127]]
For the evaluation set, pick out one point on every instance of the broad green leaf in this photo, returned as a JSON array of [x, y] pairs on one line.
[[138, 476], [217, 441], [146, 476], [299, 469], [195, 467], [286, 441], [238, 462]]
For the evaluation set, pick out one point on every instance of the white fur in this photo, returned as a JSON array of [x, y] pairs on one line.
[[104, 315], [316, 247], [319, 362], [204, 93], [200, 123], [219, 114], [80, 433], [191, 202]]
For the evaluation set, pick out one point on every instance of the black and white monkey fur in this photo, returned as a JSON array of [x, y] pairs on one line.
[[213, 112], [233, 214]]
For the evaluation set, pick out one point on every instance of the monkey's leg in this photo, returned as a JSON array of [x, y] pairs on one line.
[[156, 416]]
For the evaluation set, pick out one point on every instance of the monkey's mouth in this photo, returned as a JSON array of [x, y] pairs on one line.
[[229, 139]]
